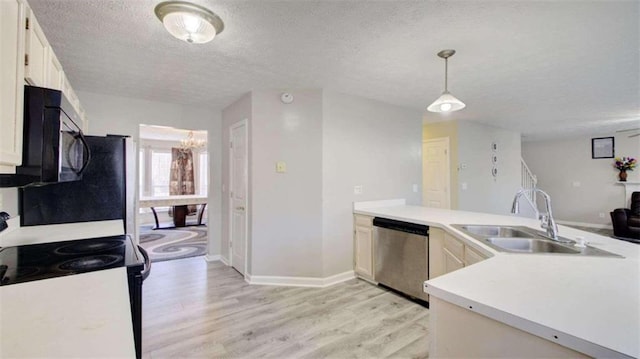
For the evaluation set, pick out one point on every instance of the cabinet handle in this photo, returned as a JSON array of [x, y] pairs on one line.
[[239, 208]]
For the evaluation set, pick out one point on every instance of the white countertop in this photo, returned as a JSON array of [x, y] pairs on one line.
[[16, 236], [592, 304], [82, 316]]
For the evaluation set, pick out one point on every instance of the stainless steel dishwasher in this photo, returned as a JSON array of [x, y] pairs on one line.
[[401, 255]]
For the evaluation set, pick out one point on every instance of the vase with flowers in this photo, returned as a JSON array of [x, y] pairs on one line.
[[623, 165]]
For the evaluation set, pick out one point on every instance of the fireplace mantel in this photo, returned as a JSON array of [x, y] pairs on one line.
[[629, 187]]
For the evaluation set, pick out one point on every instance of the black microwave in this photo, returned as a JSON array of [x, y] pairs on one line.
[[54, 148]]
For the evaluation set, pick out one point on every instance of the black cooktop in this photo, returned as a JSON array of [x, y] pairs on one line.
[[48, 260]]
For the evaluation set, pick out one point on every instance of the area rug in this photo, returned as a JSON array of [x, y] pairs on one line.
[[175, 243]]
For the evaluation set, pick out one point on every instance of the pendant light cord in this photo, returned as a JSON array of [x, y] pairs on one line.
[[446, 73]]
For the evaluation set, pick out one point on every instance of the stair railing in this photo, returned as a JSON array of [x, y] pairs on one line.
[[528, 183]]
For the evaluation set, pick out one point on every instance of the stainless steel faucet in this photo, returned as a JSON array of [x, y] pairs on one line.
[[546, 220]]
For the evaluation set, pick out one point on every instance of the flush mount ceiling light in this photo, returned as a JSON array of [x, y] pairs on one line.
[[189, 22], [446, 102]]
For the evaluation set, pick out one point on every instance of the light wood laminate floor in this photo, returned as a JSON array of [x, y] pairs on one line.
[[192, 308]]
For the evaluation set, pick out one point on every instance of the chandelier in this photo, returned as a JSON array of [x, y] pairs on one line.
[[191, 143]]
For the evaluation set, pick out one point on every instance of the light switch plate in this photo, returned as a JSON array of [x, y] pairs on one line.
[[281, 167], [415, 188], [357, 189]]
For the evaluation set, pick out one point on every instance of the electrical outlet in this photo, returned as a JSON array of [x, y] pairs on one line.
[[601, 214], [281, 167], [357, 189]]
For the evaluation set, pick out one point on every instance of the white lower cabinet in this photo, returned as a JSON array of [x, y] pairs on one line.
[[451, 262], [447, 253], [363, 247]]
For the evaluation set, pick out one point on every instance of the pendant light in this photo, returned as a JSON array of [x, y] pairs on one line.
[[446, 102], [189, 22]]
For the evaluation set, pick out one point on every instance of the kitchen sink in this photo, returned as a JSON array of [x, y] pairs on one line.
[[529, 245], [519, 239], [497, 231]]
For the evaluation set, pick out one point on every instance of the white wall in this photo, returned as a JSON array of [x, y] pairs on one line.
[[483, 192], [367, 143], [302, 220], [286, 209], [581, 188], [238, 111], [9, 201], [122, 116]]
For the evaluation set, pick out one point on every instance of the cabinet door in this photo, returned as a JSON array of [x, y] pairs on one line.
[[471, 256], [364, 251], [436, 255], [55, 72], [12, 32], [36, 49], [451, 262]]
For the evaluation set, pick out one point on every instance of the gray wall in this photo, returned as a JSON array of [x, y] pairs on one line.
[[581, 188], [9, 201], [119, 115], [286, 213], [368, 143], [301, 221], [484, 193], [238, 111]]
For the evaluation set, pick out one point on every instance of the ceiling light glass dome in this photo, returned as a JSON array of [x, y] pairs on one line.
[[189, 22]]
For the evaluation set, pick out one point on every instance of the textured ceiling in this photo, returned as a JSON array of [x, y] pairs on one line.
[[545, 68]]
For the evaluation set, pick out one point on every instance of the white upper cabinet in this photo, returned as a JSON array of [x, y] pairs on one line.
[[12, 24], [37, 53], [55, 73]]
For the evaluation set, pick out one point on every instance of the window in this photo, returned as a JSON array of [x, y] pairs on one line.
[[155, 171], [160, 172], [141, 171]]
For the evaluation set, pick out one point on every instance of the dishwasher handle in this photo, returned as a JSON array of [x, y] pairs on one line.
[[413, 228]]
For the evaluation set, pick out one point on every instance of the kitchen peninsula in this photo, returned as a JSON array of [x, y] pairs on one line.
[[586, 305]]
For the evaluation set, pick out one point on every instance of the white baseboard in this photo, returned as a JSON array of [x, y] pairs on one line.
[[300, 281], [582, 224], [224, 260], [212, 257]]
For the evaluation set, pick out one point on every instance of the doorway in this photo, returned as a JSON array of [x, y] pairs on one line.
[[435, 173], [238, 187], [173, 185]]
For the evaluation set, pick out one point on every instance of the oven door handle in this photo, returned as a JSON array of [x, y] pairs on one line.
[[147, 263]]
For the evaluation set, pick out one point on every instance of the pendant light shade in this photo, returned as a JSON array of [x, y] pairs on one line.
[[446, 102], [189, 22]]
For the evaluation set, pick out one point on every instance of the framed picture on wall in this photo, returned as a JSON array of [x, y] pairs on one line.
[[602, 147]]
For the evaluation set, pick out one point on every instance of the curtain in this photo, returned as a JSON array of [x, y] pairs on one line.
[[181, 180]]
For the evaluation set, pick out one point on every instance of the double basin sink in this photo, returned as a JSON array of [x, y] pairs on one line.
[[517, 239]]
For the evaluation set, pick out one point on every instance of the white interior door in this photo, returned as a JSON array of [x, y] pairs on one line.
[[238, 184], [435, 173]]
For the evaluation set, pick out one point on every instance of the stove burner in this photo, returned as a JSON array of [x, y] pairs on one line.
[[90, 262], [33, 257], [90, 247]]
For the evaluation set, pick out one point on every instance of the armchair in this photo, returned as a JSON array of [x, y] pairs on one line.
[[626, 221]]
